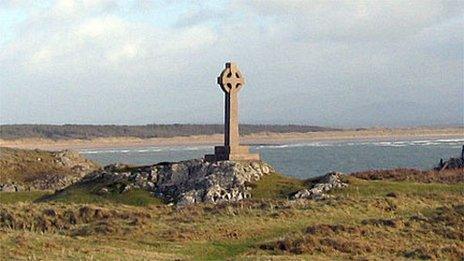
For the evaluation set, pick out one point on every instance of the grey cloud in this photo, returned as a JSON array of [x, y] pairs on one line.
[[305, 62]]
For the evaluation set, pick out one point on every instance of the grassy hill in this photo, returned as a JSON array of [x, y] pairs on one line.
[[42, 169]]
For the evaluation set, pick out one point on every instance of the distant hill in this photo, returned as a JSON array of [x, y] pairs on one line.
[[71, 131]]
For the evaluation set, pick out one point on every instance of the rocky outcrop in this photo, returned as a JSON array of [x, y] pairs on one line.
[[321, 186], [185, 182], [452, 163]]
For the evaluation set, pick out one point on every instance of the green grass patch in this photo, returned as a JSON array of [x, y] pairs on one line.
[[276, 186], [22, 196], [217, 250], [135, 197]]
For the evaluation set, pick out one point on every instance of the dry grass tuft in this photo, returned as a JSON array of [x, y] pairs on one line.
[[383, 237], [69, 219], [450, 176]]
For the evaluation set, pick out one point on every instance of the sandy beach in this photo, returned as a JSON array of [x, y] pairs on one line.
[[259, 138]]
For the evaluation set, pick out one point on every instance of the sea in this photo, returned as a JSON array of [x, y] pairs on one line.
[[307, 159]]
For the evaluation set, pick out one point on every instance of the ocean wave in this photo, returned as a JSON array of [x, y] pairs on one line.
[[196, 148], [401, 143], [437, 142], [104, 151], [294, 145]]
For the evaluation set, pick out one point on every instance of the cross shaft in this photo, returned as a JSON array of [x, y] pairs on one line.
[[231, 81]]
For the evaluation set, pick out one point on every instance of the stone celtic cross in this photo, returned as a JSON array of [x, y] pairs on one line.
[[231, 81]]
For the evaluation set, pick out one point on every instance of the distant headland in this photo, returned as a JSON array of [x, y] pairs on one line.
[[57, 137]]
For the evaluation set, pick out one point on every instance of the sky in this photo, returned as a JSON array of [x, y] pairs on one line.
[[329, 63]]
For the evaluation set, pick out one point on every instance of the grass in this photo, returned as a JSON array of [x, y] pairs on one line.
[[368, 220], [276, 186], [79, 195], [450, 176], [401, 236], [21, 165], [23, 196], [377, 188]]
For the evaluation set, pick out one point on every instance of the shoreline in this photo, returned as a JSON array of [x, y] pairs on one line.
[[252, 139]]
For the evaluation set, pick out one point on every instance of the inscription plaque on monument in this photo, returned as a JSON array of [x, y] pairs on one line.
[[231, 81]]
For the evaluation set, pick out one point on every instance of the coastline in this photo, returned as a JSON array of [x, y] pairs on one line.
[[258, 138]]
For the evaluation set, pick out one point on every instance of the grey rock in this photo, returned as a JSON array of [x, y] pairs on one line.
[[452, 163], [191, 197], [304, 193], [265, 169], [103, 191], [8, 188], [322, 185], [150, 185], [20, 188], [127, 188]]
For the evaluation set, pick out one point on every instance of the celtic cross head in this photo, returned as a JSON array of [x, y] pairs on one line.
[[231, 79]]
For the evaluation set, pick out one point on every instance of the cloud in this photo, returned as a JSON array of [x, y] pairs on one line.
[[356, 20], [312, 60], [74, 41]]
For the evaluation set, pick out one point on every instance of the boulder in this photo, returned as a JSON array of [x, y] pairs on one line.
[[452, 163], [103, 191], [321, 185], [8, 188]]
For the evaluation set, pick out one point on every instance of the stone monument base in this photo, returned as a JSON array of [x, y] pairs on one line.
[[231, 153]]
